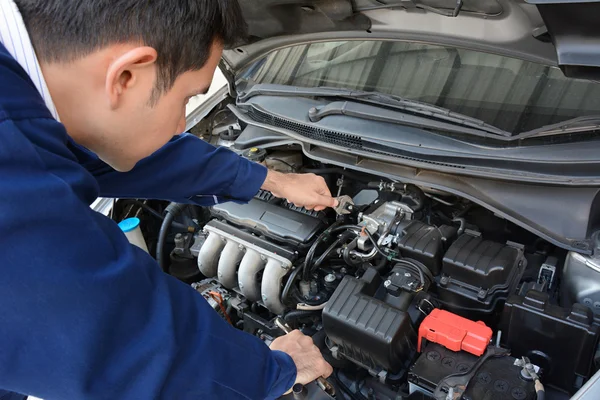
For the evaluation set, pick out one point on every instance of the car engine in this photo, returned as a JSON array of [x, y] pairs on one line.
[[413, 294]]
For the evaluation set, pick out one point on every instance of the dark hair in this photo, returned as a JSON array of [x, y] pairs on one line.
[[181, 31]]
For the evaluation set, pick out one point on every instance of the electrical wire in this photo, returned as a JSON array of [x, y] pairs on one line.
[[308, 307], [216, 296], [293, 167], [411, 264]]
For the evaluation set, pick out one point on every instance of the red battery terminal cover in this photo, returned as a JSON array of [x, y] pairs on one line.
[[454, 332]]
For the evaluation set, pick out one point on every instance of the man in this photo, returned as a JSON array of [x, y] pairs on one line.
[[84, 314]]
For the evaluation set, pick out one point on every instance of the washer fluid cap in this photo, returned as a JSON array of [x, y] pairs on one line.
[[129, 224]]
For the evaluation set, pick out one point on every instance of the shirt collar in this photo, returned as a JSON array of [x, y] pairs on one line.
[[14, 36]]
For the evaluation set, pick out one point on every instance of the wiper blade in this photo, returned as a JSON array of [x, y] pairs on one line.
[[573, 125], [396, 102]]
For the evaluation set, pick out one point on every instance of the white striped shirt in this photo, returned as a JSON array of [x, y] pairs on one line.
[[14, 36]]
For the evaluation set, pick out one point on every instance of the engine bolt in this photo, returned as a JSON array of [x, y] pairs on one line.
[[387, 283], [407, 274], [241, 247], [329, 278]]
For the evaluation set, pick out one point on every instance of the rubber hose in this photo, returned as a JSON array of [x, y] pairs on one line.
[[462, 226], [288, 285], [299, 314], [173, 210], [311, 252], [155, 213], [345, 236]]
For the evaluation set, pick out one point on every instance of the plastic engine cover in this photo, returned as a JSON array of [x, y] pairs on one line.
[[478, 274], [272, 220], [368, 331]]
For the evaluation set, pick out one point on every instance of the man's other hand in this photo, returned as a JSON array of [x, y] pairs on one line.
[[302, 190], [310, 364]]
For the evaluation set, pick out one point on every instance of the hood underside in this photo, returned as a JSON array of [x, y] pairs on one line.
[[562, 33]]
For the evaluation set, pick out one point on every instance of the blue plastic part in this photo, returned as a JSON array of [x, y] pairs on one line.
[[129, 224]]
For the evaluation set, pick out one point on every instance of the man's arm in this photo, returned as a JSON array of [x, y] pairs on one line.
[[185, 170], [189, 170]]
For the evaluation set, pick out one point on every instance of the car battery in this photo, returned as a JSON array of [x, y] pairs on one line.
[[497, 378]]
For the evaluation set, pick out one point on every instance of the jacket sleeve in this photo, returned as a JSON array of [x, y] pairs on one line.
[[185, 170], [85, 315]]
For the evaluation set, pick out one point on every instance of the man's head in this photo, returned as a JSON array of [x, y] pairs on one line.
[[121, 72]]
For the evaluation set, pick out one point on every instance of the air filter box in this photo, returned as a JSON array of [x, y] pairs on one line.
[[367, 330]]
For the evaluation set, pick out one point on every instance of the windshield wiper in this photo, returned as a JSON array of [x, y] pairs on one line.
[[573, 125], [396, 102]]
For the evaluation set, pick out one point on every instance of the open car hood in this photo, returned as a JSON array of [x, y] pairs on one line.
[[563, 32]]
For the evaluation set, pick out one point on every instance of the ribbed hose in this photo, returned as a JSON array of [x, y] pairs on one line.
[[172, 211]]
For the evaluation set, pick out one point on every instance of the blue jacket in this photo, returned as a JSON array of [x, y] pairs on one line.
[[86, 315]]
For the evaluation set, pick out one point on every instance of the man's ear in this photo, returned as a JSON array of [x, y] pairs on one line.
[[124, 71]]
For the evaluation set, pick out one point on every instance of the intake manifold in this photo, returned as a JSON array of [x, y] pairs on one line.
[[236, 259]]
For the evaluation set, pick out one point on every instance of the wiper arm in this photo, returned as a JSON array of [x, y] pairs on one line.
[[574, 125], [400, 103]]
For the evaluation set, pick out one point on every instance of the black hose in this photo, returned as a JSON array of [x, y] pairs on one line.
[[299, 314], [343, 237], [173, 210], [348, 257], [541, 395], [288, 285], [335, 227]]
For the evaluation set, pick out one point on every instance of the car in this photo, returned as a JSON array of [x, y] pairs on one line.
[[463, 138]]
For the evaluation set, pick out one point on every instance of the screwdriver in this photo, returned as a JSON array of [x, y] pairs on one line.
[[322, 382]]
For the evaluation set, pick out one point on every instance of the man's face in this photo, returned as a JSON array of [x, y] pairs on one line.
[[130, 127]]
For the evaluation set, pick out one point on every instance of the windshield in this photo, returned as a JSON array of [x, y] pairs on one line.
[[511, 94]]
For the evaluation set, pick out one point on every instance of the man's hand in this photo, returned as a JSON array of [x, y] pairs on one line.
[[310, 364], [302, 190]]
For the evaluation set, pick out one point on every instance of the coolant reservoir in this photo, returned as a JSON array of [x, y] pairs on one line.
[[131, 228]]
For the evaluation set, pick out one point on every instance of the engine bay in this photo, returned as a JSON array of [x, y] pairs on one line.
[[414, 293]]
